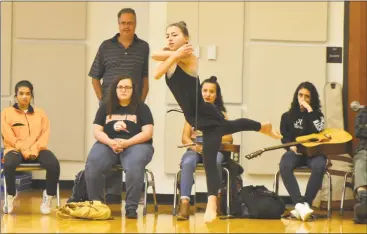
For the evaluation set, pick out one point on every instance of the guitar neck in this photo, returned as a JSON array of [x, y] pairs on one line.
[[285, 145]]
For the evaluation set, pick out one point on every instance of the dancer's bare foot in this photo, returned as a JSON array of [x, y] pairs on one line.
[[211, 209], [267, 129]]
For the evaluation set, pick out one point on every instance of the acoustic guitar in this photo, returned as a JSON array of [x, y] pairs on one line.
[[330, 141]]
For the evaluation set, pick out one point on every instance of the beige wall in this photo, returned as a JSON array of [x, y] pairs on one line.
[[248, 58], [49, 50], [273, 56], [6, 38]]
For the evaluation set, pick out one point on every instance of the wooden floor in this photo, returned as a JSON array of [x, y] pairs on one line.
[[26, 217]]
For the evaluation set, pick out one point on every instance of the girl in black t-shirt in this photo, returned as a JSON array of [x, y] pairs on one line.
[[123, 128]]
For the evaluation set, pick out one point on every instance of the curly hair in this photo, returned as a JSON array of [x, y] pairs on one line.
[[315, 100]]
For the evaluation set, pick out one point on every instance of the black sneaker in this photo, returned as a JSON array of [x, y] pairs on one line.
[[131, 214], [113, 199], [360, 209]]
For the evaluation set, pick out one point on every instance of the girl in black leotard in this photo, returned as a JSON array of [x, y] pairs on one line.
[[180, 66]]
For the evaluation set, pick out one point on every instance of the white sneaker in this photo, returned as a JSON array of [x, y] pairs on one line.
[[46, 203], [308, 206], [11, 199], [295, 214], [303, 210]]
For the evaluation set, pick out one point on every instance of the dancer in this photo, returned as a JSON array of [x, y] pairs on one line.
[[180, 66]]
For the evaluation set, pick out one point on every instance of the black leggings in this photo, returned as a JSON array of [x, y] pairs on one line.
[[47, 160], [212, 138]]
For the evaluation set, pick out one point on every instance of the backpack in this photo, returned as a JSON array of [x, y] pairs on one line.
[[89, 210], [79, 193], [257, 202], [235, 183], [361, 124]]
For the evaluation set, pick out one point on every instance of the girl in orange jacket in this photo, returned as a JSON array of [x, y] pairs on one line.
[[25, 131]]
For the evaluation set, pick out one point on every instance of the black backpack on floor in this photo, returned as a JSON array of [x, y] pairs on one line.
[[79, 193], [257, 202]]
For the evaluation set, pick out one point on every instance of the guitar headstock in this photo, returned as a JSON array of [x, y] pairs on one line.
[[255, 154]]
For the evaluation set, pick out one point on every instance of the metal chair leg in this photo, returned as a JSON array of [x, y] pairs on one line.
[[343, 193], [276, 182], [228, 192], [5, 195], [175, 194], [195, 203], [145, 194], [58, 195], [329, 211], [154, 193]]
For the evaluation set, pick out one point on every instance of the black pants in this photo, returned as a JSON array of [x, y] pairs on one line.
[[47, 160], [289, 162], [212, 138]]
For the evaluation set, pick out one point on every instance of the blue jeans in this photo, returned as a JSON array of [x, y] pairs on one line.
[[360, 168], [188, 164], [99, 165]]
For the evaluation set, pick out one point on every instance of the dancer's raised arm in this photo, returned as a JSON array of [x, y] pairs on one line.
[[178, 56]]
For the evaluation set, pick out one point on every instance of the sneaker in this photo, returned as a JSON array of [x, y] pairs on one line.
[[46, 203], [360, 213], [11, 199], [131, 214], [295, 214], [308, 206], [303, 210], [360, 209]]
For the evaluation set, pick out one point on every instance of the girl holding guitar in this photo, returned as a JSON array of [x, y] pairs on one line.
[[303, 118]]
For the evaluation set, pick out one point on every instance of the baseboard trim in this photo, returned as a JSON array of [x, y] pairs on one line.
[[164, 199]]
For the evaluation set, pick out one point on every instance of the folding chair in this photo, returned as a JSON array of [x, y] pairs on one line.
[[147, 183], [27, 167]]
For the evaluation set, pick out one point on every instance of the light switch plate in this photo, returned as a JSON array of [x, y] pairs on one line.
[[212, 52]]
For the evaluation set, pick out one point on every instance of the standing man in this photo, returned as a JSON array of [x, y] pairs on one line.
[[124, 55]]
